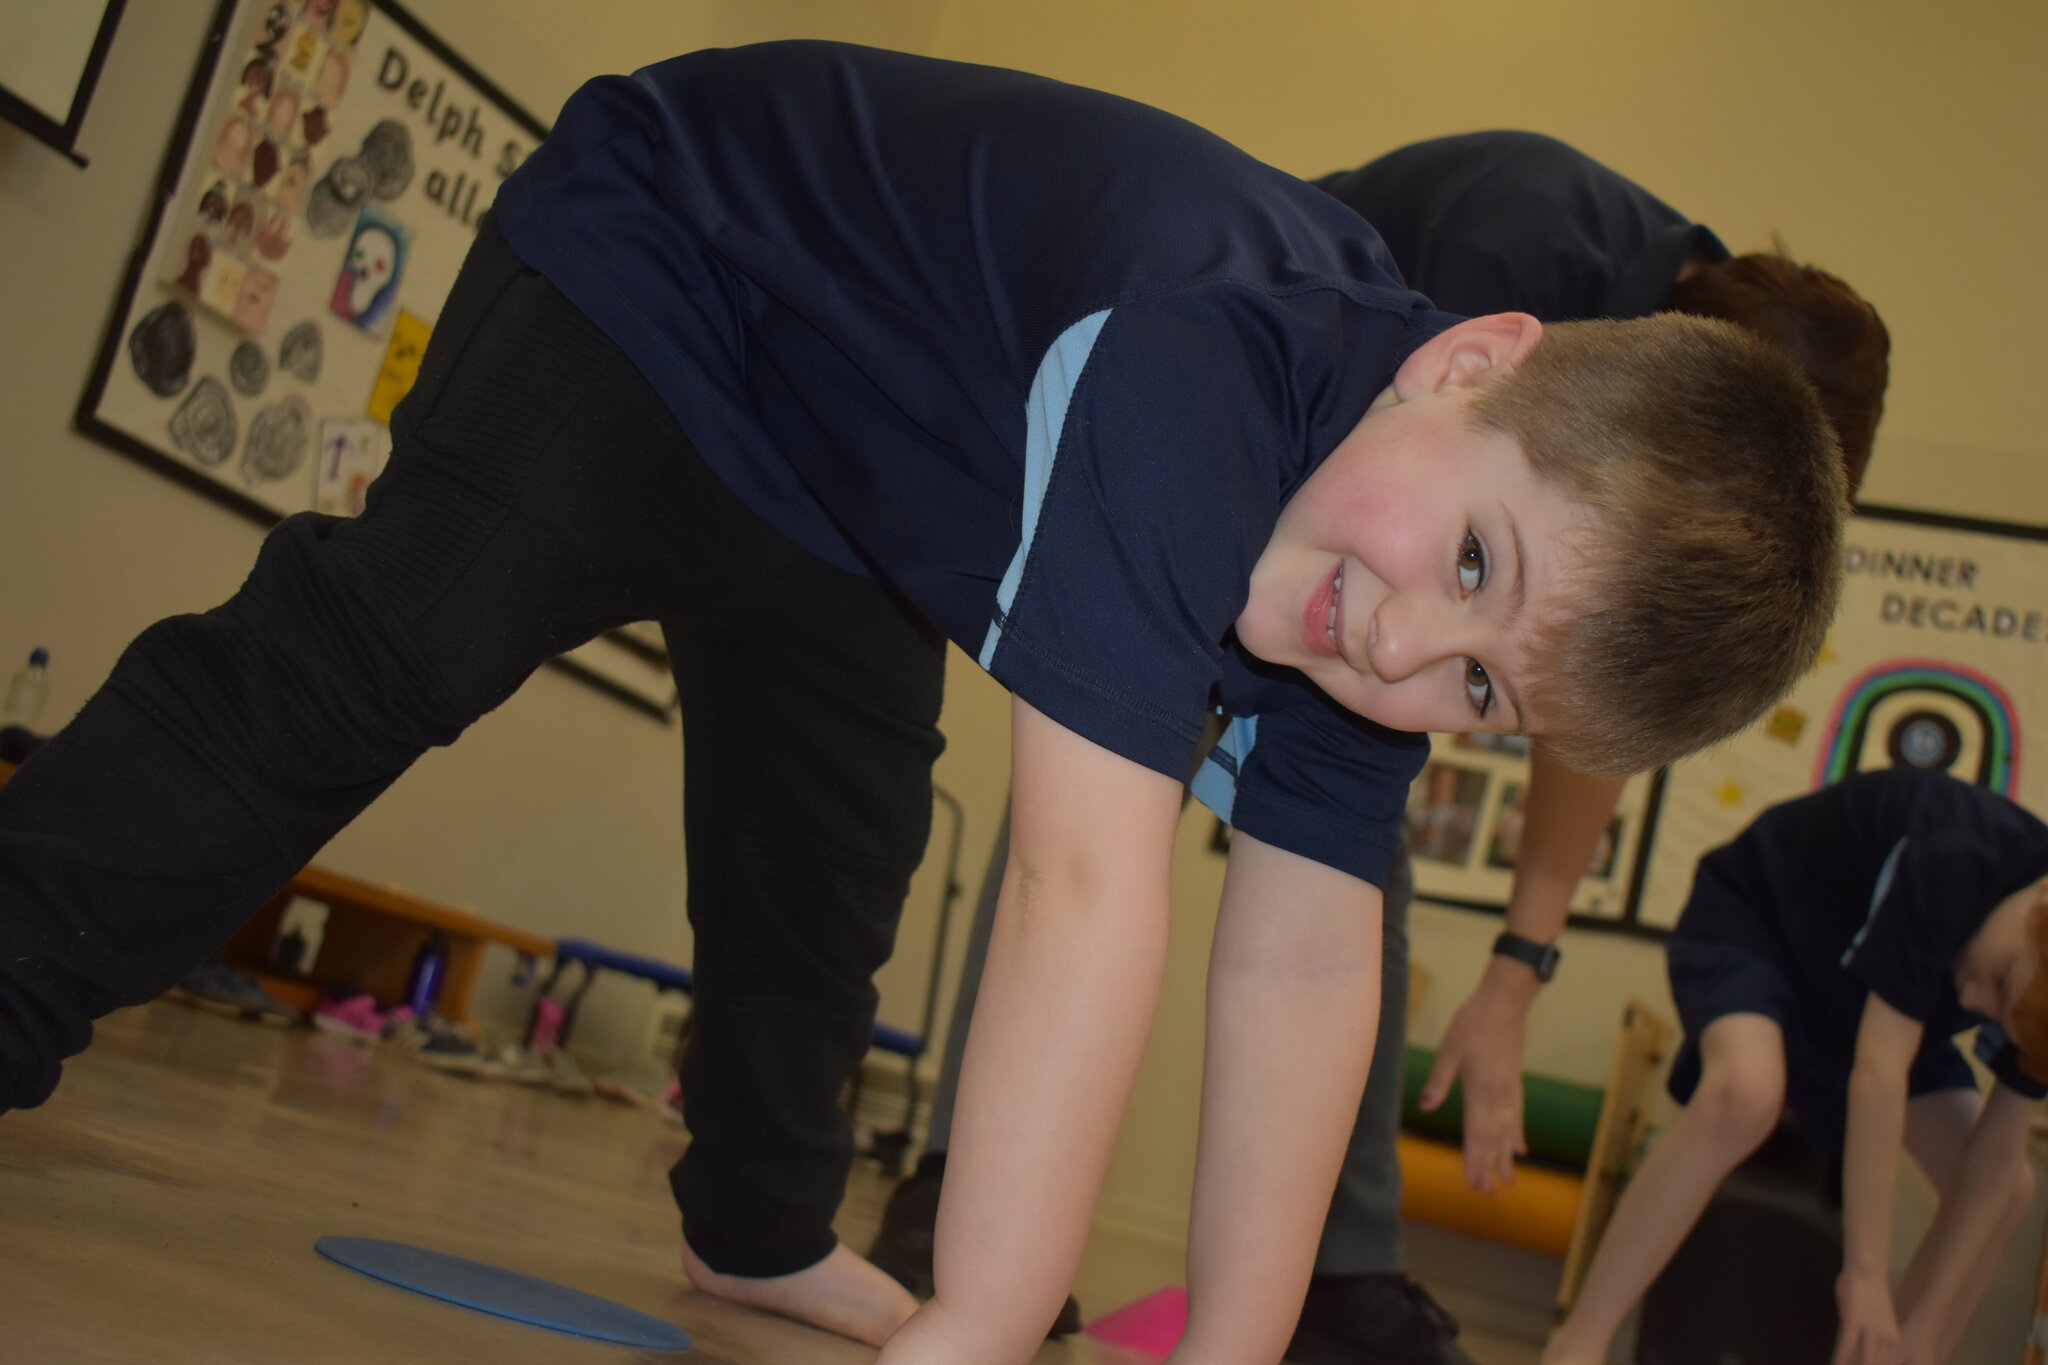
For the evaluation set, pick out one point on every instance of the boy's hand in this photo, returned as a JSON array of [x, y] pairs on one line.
[[1919, 1343], [1870, 1329], [1568, 812], [1483, 1046]]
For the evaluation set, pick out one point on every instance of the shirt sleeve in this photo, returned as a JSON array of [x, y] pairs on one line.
[[1932, 893], [1155, 438], [1997, 1052], [1317, 781]]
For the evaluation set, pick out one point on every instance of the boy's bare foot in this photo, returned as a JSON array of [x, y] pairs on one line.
[[843, 1293]]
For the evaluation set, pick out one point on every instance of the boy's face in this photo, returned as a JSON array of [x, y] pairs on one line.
[[1996, 967], [1408, 576]]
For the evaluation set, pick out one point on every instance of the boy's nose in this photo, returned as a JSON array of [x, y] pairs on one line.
[[1406, 636]]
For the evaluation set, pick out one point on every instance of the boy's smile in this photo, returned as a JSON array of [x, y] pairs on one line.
[[1407, 578]]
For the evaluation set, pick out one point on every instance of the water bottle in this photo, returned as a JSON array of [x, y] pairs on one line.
[[429, 969], [25, 693]]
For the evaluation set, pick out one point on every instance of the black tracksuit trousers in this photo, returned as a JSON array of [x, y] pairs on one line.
[[539, 492]]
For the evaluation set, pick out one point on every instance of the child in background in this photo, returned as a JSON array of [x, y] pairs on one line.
[[1824, 962], [821, 356]]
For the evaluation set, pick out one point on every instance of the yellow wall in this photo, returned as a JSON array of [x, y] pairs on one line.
[[1900, 144]]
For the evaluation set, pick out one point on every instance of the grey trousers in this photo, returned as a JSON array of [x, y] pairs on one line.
[[1362, 1235]]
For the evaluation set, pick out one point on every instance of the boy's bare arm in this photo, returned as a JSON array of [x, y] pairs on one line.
[[1567, 811], [1971, 1220], [1885, 1044], [1073, 977], [1294, 978]]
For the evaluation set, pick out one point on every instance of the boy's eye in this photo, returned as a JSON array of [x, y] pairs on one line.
[[1471, 563], [1478, 687]]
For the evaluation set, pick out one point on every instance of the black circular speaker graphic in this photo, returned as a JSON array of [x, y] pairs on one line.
[[1924, 739]]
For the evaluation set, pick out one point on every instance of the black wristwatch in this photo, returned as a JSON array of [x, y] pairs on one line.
[[1541, 958]]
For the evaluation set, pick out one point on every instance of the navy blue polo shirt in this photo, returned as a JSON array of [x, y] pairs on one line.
[[1519, 222], [1874, 884], [1047, 360]]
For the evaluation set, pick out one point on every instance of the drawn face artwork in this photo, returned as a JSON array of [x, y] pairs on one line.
[[284, 111], [320, 13], [257, 78], [252, 303], [241, 224], [333, 77], [274, 233], [290, 187], [231, 152], [372, 260], [304, 53], [198, 255], [222, 284], [349, 18], [276, 24], [372, 274]]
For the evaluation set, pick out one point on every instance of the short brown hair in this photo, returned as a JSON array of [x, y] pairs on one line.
[[1717, 495], [1830, 330]]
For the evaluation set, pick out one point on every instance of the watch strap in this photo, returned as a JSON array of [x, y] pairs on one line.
[[1542, 958]]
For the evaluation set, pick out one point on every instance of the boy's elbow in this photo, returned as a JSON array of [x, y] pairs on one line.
[[1872, 1082], [1052, 891]]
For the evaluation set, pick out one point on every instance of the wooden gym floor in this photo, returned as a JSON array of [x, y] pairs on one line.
[[163, 1208]]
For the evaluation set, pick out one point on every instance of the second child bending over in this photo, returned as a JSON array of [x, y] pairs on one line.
[[1825, 961]]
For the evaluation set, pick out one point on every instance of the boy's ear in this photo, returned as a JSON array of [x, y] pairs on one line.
[[1467, 355]]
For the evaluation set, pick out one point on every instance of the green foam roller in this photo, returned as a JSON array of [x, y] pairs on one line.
[[1559, 1118]]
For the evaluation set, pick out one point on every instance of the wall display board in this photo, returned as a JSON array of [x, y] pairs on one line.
[[1464, 828], [322, 188], [51, 52], [1938, 659]]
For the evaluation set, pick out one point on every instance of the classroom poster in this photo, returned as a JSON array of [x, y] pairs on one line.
[[1938, 659], [323, 186]]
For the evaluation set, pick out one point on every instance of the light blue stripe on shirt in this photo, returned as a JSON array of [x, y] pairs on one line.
[[1045, 414], [1884, 886], [1215, 784]]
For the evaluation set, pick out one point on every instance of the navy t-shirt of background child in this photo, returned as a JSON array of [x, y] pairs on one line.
[[1519, 222], [1873, 884], [1047, 360]]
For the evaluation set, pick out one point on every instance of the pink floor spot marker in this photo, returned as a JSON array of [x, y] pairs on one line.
[[1152, 1326]]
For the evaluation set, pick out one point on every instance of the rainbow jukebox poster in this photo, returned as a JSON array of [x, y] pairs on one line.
[[1938, 659]]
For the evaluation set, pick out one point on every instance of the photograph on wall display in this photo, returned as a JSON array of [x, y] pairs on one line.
[[1504, 849], [1444, 811], [321, 190], [1468, 808]]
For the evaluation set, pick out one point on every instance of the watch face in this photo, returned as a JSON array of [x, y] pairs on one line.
[[1539, 957]]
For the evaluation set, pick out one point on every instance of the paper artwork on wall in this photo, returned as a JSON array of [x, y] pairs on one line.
[[326, 179]]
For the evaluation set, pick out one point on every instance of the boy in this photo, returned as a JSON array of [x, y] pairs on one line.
[[822, 355], [1484, 223], [1509, 220], [1824, 961]]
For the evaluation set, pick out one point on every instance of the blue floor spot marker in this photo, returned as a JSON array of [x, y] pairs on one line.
[[504, 1293]]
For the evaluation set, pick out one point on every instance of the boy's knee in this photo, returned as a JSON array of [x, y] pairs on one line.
[[1743, 1101], [2024, 1182]]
